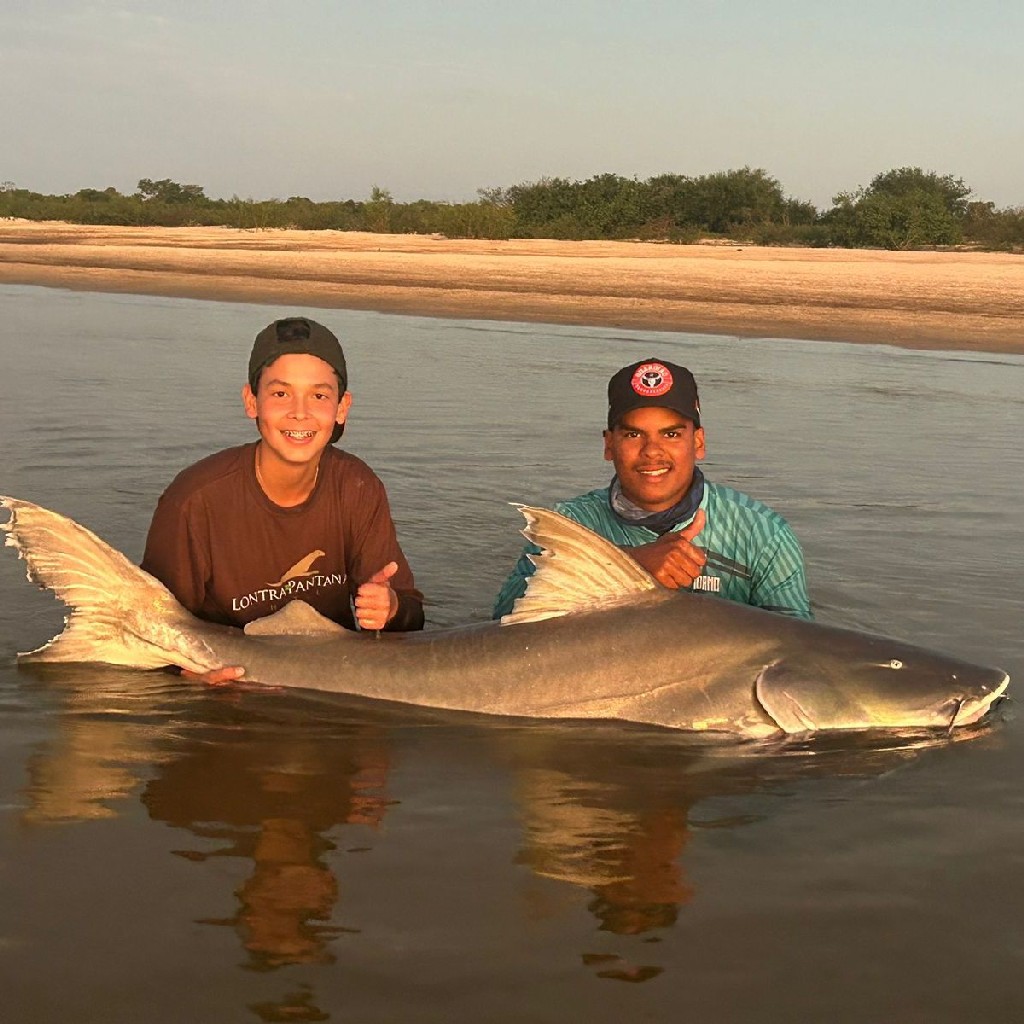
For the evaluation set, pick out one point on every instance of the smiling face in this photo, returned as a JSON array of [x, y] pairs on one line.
[[296, 405], [654, 451]]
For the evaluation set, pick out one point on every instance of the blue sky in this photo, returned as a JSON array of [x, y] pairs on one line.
[[437, 99]]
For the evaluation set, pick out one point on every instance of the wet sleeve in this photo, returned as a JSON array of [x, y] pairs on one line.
[[515, 586], [176, 553], [780, 581], [375, 543], [410, 614]]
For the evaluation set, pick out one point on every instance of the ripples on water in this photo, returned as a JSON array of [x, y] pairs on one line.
[[378, 863]]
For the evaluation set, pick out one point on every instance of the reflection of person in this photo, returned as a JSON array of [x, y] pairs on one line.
[[242, 532], [659, 502], [583, 829], [276, 805], [652, 887]]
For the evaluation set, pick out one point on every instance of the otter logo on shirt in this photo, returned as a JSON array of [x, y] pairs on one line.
[[299, 579], [303, 567]]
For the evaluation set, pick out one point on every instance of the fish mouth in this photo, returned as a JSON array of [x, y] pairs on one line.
[[973, 709]]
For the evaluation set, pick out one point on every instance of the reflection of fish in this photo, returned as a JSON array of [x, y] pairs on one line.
[[594, 637]]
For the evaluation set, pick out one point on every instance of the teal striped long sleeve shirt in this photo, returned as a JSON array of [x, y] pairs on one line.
[[753, 557]]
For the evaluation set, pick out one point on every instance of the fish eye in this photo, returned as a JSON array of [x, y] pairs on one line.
[[895, 663]]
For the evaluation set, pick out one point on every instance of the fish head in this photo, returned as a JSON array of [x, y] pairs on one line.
[[852, 681]]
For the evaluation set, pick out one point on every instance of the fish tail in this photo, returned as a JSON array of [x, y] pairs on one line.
[[118, 614]]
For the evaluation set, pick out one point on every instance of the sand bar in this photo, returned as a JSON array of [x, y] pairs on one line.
[[945, 300]]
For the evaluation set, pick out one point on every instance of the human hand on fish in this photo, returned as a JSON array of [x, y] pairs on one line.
[[216, 676], [376, 604], [673, 559]]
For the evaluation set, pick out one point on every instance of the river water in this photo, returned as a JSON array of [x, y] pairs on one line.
[[172, 853]]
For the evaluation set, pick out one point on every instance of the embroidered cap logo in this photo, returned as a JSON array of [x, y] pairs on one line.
[[652, 380]]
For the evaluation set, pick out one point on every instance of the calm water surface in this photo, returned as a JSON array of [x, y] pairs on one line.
[[169, 853]]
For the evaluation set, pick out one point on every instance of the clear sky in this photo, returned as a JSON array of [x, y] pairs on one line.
[[436, 98]]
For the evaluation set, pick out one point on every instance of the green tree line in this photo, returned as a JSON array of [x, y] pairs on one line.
[[904, 208]]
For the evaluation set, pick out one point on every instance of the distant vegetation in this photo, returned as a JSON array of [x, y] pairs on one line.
[[906, 208]]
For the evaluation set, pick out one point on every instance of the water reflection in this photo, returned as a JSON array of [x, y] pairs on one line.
[[611, 811], [243, 786], [641, 854], [273, 799], [595, 821], [109, 727], [271, 782]]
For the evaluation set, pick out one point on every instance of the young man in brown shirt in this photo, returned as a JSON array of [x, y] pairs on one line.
[[241, 533]]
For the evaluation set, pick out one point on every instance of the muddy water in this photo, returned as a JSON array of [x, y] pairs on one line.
[[169, 853]]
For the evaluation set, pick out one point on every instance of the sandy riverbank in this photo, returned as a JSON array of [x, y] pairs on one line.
[[948, 300]]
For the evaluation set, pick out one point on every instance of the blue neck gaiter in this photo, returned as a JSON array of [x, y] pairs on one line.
[[660, 522]]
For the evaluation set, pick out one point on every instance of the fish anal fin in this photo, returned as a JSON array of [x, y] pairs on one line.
[[296, 618], [576, 569]]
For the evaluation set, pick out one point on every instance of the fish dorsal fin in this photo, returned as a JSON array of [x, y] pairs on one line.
[[296, 618], [576, 569]]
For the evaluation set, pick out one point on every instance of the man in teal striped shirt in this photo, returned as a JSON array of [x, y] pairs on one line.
[[659, 502]]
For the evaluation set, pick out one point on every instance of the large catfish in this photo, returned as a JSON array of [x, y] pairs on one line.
[[594, 637]]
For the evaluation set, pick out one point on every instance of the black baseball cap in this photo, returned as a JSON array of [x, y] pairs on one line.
[[653, 382], [298, 336]]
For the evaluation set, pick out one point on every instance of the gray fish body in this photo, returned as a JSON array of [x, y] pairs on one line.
[[645, 654]]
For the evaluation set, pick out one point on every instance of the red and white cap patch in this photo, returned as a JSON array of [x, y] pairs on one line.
[[652, 380]]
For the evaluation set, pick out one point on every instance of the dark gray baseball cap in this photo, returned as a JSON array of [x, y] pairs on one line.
[[298, 335]]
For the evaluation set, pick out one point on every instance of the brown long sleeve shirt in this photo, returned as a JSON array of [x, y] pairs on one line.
[[230, 555]]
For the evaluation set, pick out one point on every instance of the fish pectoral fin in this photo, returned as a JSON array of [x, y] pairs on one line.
[[296, 618], [777, 691], [576, 569]]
